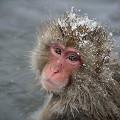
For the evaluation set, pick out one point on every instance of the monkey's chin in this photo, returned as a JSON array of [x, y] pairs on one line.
[[50, 85]]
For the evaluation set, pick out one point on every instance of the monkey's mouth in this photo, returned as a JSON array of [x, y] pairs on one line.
[[50, 85]]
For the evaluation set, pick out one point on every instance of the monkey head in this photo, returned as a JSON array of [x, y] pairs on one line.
[[72, 46]]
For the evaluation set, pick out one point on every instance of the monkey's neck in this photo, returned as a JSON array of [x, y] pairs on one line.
[[48, 110], [56, 109]]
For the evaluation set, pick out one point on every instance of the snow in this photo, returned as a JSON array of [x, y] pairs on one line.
[[75, 21], [62, 23], [80, 26], [111, 34]]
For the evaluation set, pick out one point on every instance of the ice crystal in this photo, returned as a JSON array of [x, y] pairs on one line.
[[75, 21], [79, 25]]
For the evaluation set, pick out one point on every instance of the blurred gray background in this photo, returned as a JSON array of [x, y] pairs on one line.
[[19, 19]]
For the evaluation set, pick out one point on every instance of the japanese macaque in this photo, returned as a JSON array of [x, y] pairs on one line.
[[76, 65]]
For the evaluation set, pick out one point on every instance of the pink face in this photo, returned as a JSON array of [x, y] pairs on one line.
[[62, 61]]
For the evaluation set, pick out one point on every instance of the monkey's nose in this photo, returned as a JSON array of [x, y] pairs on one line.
[[54, 69]]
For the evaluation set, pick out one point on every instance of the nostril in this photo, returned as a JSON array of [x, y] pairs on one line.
[[54, 69]]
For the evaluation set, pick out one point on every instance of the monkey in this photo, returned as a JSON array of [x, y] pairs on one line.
[[75, 61]]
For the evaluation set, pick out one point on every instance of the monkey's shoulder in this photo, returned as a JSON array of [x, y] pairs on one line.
[[69, 116]]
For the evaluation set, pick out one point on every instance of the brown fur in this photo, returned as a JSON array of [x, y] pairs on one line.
[[93, 92]]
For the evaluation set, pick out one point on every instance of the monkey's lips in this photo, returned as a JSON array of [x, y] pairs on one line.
[[50, 85]]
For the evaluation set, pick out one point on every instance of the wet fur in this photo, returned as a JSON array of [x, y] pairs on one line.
[[94, 89]]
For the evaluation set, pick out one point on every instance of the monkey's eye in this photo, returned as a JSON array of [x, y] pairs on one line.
[[73, 58], [57, 50]]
